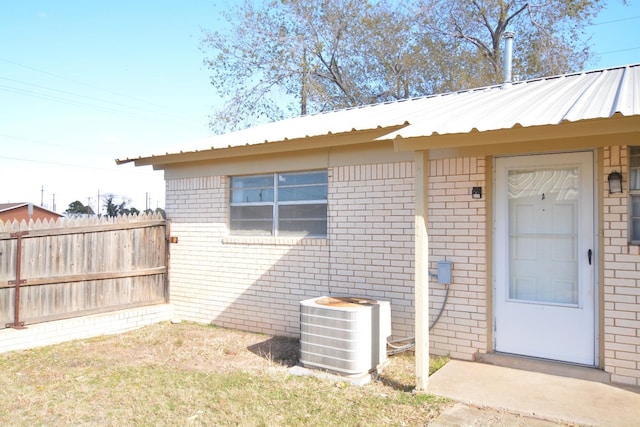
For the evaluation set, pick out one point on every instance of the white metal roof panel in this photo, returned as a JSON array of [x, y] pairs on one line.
[[536, 102]]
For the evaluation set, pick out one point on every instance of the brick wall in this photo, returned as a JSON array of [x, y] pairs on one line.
[[372, 214], [256, 284], [621, 279], [457, 233]]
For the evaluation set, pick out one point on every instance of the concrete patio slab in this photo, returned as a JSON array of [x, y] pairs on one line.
[[556, 399]]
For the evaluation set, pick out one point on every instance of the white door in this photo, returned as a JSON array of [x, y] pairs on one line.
[[545, 257]]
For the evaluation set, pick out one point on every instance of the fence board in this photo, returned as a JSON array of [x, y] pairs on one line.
[[74, 267]]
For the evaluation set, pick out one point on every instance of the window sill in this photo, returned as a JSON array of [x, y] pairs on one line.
[[274, 241]]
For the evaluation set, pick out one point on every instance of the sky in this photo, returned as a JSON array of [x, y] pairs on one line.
[[83, 83]]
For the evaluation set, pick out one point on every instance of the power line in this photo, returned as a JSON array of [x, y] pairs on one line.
[[618, 51], [59, 99], [58, 76], [91, 167], [83, 104], [614, 21], [35, 141], [77, 103], [54, 144], [118, 104]]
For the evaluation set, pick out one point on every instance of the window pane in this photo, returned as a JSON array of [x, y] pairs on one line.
[[634, 179], [303, 220], [252, 220], [635, 229], [255, 195], [634, 157], [635, 205], [634, 168], [253, 198], [252, 181], [302, 178], [543, 231], [635, 218], [291, 194], [252, 189], [302, 186]]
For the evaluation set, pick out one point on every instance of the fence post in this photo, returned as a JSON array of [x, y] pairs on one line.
[[167, 258], [17, 324]]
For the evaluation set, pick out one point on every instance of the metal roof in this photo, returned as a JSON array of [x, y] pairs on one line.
[[537, 102], [5, 207], [548, 101]]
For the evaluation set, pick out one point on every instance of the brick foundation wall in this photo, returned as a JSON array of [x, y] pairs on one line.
[[116, 322]]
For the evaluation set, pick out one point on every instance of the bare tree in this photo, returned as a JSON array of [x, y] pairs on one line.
[[548, 35], [279, 58]]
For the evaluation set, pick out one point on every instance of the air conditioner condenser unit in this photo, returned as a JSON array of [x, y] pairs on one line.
[[346, 335]]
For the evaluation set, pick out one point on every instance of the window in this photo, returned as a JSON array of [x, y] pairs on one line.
[[634, 194], [280, 204]]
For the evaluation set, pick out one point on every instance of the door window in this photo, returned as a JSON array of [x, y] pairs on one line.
[[543, 232]]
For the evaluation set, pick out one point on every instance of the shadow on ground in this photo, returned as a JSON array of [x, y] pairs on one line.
[[395, 384], [281, 350]]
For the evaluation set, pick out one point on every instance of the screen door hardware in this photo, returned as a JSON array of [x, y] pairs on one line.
[[589, 254]]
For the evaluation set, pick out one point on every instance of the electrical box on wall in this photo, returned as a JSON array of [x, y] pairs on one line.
[[444, 272]]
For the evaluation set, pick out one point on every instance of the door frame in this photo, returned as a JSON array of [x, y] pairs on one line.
[[597, 249]]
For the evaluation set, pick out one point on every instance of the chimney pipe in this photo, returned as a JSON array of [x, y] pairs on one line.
[[507, 59]]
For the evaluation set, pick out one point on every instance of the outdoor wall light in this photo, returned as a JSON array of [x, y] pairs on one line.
[[615, 182], [476, 192]]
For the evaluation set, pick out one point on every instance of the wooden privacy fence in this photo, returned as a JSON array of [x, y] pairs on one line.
[[76, 267]]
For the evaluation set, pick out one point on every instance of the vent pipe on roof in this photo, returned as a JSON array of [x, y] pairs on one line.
[[507, 60]]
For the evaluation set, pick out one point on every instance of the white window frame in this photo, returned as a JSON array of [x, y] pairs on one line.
[[276, 203]]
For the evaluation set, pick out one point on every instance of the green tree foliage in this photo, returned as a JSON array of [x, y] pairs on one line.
[[156, 211], [279, 58], [77, 208], [114, 208]]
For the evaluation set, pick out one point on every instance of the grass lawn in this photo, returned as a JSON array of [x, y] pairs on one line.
[[194, 375]]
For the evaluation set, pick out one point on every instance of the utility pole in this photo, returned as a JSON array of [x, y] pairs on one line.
[[42, 197]]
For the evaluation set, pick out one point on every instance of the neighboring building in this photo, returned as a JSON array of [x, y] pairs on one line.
[[25, 212], [509, 183]]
